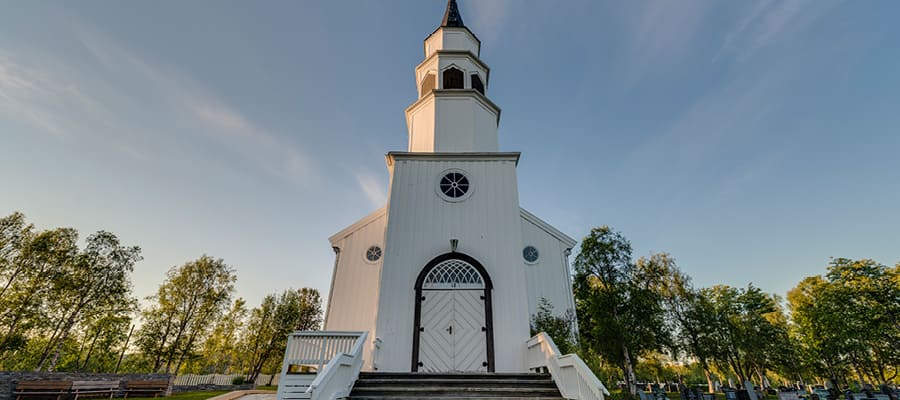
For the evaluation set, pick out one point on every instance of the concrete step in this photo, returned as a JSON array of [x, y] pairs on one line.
[[451, 398], [456, 391], [454, 382], [455, 386], [460, 375]]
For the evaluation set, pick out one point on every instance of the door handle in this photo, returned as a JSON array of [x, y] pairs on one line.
[[450, 329]]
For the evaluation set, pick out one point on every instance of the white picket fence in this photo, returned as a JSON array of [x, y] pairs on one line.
[[220, 379]]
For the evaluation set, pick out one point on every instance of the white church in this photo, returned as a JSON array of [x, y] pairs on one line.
[[446, 276]]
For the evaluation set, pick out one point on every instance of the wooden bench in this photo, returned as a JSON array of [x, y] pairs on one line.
[[94, 388], [148, 387], [45, 389]]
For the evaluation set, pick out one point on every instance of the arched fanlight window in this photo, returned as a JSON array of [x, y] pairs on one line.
[[453, 79], [453, 274], [477, 84]]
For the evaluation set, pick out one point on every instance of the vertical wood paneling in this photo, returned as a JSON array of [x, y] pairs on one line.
[[548, 277], [421, 225]]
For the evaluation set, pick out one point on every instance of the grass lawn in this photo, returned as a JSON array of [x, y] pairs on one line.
[[186, 396], [272, 388]]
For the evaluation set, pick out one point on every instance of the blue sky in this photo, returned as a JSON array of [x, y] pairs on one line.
[[752, 140]]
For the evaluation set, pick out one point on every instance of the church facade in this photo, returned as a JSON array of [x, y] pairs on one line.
[[446, 276]]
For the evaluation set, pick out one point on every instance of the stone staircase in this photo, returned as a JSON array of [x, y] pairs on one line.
[[461, 386]]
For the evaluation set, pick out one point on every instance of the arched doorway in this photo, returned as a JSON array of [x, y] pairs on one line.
[[453, 329]]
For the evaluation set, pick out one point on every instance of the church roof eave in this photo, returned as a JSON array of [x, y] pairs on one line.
[[392, 156], [543, 225], [368, 219], [453, 19]]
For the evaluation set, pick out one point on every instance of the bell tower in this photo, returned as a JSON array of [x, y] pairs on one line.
[[452, 113], [446, 276]]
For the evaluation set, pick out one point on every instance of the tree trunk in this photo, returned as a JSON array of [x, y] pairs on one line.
[[62, 339], [125, 347], [46, 352], [762, 381], [630, 378], [709, 382], [91, 349]]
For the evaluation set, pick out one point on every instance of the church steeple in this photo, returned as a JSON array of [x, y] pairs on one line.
[[451, 16], [453, 113]]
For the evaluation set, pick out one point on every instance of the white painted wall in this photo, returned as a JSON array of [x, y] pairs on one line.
[[488, 226], [464, 124], [452, 121], [452, 38], [420, 120], [353, 299], [549, 276]]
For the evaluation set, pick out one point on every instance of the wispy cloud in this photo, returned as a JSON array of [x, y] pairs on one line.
[[728, 112], [372, 187], [223, 123], [662, 35], [115, 96], [765, 23], [43, 98]]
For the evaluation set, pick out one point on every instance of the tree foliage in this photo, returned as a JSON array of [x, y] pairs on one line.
[[55, 296], [619, 304], [270, 323], [847, 322], [187, 304], [560, 328]]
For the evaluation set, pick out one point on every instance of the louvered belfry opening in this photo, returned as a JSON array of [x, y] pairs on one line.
[[477, 84], [453, 79]]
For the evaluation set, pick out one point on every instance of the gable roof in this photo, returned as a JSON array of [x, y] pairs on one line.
[[368, 219], [562, 237]]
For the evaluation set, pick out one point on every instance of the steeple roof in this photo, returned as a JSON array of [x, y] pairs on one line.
[[451, 16]]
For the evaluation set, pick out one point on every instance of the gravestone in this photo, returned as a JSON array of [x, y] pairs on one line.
[[751, 392], [788, 395]]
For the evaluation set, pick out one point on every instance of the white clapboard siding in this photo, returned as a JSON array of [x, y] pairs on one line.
[[549, 276], [420, 226]]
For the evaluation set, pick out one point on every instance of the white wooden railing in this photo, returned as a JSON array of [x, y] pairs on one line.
[[338, 377], [572, 376], [321, 365]]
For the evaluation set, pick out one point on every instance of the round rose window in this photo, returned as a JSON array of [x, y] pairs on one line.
[[373, 254], [530, 254], [454, 185]]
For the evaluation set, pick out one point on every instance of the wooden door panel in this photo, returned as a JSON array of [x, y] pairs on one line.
[[436, 343], [469, 344]]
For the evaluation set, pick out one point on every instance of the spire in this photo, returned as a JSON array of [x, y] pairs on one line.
[[451, 16]]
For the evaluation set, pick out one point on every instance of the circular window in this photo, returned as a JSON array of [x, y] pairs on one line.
[[454, 185], [373, 254], [530, 254]]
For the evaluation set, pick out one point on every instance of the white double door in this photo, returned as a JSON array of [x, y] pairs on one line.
[[452, 337]]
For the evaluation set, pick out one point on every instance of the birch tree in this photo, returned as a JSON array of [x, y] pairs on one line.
[[619, 306], [185, 307], [97, 281], [271, 322]]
